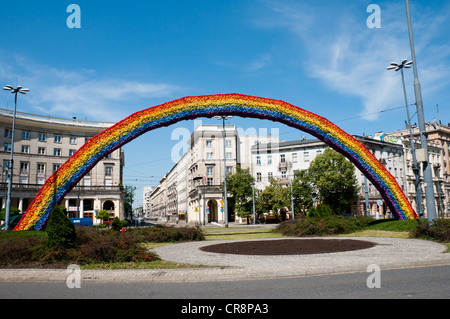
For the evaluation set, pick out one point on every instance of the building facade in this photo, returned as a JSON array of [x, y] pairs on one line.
[[439, 158], [41, 145], [193, 188], [282, 161]]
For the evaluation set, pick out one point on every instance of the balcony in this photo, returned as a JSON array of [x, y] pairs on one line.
[[282, 166]]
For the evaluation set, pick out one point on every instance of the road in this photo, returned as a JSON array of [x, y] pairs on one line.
[[424, 283]]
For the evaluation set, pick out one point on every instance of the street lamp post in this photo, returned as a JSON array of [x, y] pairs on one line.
[[254, 210], [415, 167], [14, 91], [225, 205], [427, 173]]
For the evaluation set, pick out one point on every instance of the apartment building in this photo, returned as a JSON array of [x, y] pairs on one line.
[[193, 187], [146, 207], [282, 161], [41, 145], [439, 157]]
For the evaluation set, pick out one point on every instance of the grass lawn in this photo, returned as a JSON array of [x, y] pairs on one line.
[[240, 233]]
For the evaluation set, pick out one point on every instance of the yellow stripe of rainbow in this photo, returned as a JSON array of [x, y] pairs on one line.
[[60, 183]]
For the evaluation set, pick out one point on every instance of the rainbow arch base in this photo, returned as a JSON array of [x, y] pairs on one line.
[[73, 170]]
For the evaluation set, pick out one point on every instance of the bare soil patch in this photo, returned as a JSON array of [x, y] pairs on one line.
[[289, 246]]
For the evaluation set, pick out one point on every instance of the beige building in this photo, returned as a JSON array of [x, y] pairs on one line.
[[41, 145], [439, 158], [192, 191]]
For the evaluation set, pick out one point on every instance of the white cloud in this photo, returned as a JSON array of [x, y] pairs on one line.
[[258, 63], [81, 93], [339, 49]]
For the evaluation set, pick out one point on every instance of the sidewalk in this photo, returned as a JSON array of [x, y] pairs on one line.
[[389, 253]]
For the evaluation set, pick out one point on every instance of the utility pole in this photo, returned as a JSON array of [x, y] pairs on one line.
[[428, 175]]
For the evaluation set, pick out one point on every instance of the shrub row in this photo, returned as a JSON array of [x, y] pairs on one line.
[[90, 246], [439, 230], [323, 226]]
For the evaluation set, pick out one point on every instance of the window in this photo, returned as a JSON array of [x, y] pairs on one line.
[[73, 140], [209, 155], [7, 148], [41, 168], [108, 171], [42, 137], [209, 143], [209, 171], [71, 152], [306, 154], [57, 139], [269, 175], [294, 157], [228, 143], [57, 152], [229, 155], [6, 166], [230, 169], [8, 132], [269, 159], [26, 135], [40, 180], [258, 160], [283, 158], [56, 167], [25, 149], [24, 167], [258, 177], [41, 150], [209, 181]]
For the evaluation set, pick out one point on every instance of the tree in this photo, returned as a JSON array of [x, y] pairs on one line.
[[239, 185], [274, 197], [103, 215], [335, 180], [303, 191], [129, 199], [60, 230]]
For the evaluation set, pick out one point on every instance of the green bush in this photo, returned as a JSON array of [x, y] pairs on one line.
[[169, 234], [118, 224], [439, 230], [323, 226], [61, 232], [322, 210], [30, 249]]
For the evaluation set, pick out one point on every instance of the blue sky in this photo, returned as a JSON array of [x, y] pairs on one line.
[[131, 55]]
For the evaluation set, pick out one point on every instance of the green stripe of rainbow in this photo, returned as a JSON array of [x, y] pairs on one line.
[[60, 183]]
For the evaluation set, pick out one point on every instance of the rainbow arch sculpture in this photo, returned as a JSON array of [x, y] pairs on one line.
[[71, 172]]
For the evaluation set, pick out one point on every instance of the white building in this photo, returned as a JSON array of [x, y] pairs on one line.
[[286, 158], [146, 205]]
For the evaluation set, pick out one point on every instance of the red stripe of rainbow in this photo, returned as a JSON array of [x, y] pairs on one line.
[[68, 175]]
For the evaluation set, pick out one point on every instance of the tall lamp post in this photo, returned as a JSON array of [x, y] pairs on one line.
[[427, 173], [225, 205], [415, 167], [14, 91]]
